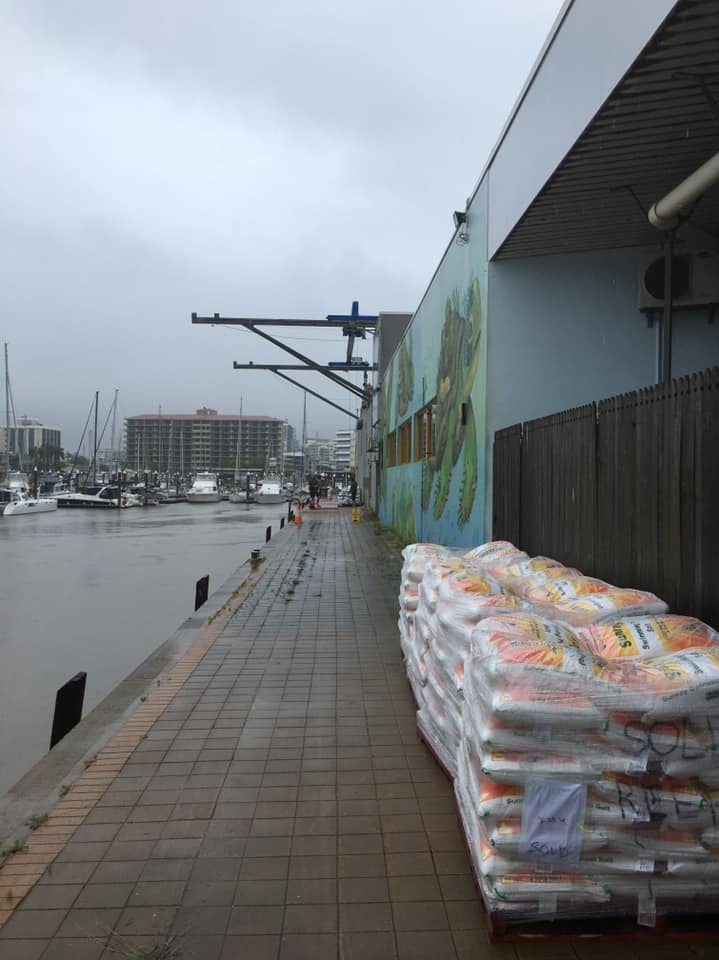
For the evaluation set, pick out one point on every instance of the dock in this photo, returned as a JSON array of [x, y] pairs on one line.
[[269, 798]]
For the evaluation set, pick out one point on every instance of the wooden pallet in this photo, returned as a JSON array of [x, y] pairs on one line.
[[600, 928], [604, 929]]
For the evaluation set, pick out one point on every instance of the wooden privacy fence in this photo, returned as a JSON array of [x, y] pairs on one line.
[[627, 490]]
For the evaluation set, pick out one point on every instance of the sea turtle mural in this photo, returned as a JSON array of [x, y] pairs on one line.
[[403, 512], [385, 408], [456, 431], [405, 376]]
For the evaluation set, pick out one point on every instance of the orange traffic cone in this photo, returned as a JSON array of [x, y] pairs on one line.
[[298, 514]]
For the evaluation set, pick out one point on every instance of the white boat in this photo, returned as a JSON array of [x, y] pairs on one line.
[[270, 490], [14, 504], [104, 498], [17, 482], [15, 498], [204, 489]]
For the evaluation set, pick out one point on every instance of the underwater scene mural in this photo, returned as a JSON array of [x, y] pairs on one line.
[[437, 377], [456, 430]]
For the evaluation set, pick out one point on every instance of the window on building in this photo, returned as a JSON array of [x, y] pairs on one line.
[[392, 449], [424, 432], [405, 442]]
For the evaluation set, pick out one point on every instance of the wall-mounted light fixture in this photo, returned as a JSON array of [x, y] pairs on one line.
[[460, 224]]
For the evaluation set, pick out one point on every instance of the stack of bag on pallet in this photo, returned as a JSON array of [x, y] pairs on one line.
[[580, 723]]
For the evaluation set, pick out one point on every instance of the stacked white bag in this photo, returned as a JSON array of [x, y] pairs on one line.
[[532, 675]]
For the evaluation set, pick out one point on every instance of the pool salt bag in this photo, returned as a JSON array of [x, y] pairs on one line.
[[643, 638]]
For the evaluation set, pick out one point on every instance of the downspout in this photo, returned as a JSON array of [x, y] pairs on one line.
[[665, 214]]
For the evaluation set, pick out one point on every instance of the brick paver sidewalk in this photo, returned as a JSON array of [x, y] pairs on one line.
[[278, 803]]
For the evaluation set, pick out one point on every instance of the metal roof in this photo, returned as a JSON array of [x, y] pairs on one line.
[[659, 124]]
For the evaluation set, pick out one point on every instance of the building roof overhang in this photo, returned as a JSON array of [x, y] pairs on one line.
[[659, 124]]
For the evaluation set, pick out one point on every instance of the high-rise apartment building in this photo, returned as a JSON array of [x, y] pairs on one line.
[[186, 443], [27, 435], [344, 451]]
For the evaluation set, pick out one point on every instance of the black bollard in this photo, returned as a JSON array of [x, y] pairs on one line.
[[282, 523], [202, 590], [289, 511], [268, 534], [68, 707]]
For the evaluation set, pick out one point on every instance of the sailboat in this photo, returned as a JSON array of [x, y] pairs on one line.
[[237, 495], [15, 499]]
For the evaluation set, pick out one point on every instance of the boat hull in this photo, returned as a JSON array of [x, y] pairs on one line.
[[270, 497], [80, 500], [202, 497], [240, 497], [29, 507]]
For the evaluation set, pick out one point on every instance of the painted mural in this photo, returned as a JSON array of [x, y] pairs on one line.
[[405, 375], [456, 429], [441, 361]]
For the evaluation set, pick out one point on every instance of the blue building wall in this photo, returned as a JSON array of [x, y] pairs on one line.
[[556, 332], [566, 330]]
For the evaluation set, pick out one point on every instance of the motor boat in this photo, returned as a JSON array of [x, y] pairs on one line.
[[14, 504], [269, 490], [102, 498], [204, 489]]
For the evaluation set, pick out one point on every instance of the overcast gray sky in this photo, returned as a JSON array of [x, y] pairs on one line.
[[246, 158]]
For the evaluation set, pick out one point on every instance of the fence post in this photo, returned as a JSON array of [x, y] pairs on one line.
[[68, 707]]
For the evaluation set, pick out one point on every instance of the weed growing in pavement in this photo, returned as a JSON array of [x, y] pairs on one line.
[[166, 949], [17, 847], [36, 821]]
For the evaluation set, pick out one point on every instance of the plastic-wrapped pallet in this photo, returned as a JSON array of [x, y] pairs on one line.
[[542, 710], [578, 689]]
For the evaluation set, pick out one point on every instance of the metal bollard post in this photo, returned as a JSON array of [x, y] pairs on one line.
[[268, 534], [202, 590], [68, 707], [282, 523]]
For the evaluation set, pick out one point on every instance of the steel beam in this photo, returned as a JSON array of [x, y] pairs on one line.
[[332, 320], [313, 393], [319, 367]]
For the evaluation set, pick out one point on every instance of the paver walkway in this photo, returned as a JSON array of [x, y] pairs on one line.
[[279, 804]]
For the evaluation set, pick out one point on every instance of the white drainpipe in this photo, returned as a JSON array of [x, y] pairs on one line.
[[664, 212]]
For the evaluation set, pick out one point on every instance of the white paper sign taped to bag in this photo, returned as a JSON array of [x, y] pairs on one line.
[[552, 821]]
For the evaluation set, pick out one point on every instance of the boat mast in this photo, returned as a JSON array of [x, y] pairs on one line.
[[112, 432], [7, 420], [304, 439], [94, 452], [238, 459]]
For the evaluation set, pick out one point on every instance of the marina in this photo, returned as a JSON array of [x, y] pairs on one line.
[[99, 590]]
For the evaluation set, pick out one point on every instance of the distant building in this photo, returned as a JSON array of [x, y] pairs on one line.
[[28, 435], [344, 451], [186, 443], [319, 456]]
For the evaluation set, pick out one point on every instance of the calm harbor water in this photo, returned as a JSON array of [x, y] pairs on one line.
[[98, 591]]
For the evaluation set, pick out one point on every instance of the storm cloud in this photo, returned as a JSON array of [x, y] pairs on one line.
[[267, 159]]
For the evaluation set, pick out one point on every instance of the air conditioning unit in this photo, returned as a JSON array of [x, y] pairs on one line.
[[695, 280]]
